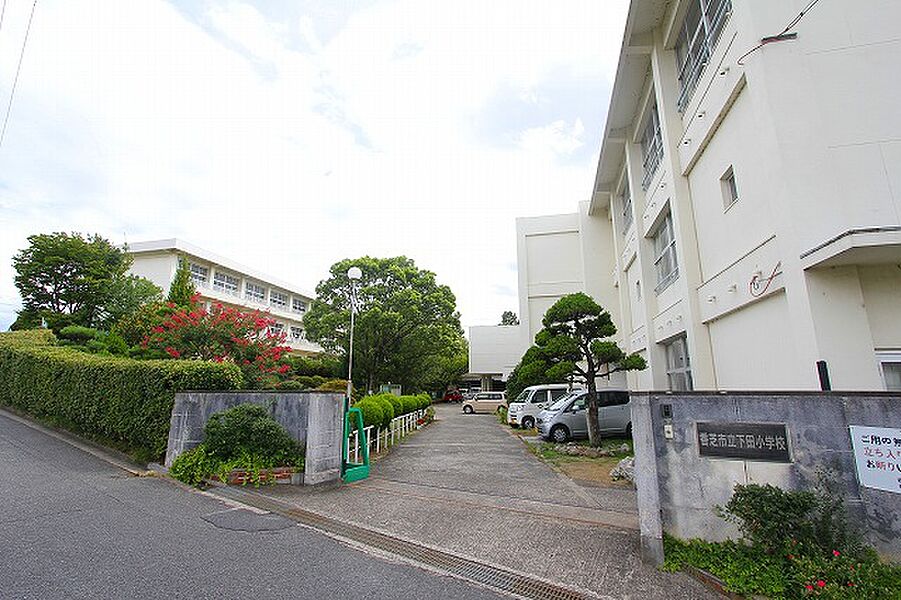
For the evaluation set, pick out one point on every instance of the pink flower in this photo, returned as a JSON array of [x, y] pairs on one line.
[[821, 583], [836, 553], [809, 587], [172, 352]]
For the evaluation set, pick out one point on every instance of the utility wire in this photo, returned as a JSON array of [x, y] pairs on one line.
[[2, 13], [779, 36], [12, 92]]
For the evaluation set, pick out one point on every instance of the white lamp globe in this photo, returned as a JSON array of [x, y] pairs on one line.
[[354, 273]]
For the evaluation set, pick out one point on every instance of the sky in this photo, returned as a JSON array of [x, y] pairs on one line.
[[290, 135]]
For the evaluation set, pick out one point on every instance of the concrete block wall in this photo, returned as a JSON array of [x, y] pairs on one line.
[[678, 488], [314, 419]]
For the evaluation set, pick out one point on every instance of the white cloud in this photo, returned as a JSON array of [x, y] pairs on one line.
[[132, 120]]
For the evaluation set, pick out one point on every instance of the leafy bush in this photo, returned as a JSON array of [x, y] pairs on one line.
[[774, 519], [796, 545], [333, 385], [121, 401], [372, 411], [194, 465], [291, 385], [387, 409], [410, 403], [424, 401], [244, 437], [250, 429], [744, 570], [396, 403]]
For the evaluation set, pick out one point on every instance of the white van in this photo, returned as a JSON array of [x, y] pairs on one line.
[[532, 400]]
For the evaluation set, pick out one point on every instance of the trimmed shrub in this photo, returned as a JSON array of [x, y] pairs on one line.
[[396, 403], [372, 411], [291, 384], [387, 408], [410, 403], [119, 400], [250, 429], [424, 401], [78, 334], [311, 381]]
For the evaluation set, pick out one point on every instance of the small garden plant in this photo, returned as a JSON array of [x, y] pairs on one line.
[[795, 544], [242, 438]]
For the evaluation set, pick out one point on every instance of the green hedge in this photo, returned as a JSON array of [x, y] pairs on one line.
[[124, 401]]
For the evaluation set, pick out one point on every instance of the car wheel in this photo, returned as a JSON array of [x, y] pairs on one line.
[[467, 409], [629, 430], [528, 423], [560, 434]]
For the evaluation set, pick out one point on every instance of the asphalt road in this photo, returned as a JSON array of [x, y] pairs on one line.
[[73, 526]]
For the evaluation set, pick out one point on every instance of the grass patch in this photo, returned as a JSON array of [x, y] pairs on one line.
[[586, 468]]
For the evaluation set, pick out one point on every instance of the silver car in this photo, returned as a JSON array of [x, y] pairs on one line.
[[567, 419]]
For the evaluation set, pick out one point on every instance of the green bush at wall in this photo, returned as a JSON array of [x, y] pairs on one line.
[[118, 400]]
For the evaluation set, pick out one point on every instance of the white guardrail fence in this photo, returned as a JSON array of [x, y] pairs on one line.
[[387, 437]]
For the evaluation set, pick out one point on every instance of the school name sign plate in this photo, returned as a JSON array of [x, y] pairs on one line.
[[877, 454], [745, 441]]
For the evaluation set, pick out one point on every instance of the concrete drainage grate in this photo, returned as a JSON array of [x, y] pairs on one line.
[[464, 568]]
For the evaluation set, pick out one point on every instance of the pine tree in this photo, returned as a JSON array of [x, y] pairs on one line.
[[182, 289]]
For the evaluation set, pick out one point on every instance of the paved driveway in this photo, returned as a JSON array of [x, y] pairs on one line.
[[466, 485]]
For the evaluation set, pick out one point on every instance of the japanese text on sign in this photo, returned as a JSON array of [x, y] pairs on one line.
[[877, 454], [750, 441]]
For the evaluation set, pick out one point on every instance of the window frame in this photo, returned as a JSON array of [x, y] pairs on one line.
[[258, 295], [276, 304], [661, 252], [675, 372], [651, 146], [695, 44], [200, 275], [294, 309], [296, 332], [226, 286], [626, 203], [884, 357], [729, 186]]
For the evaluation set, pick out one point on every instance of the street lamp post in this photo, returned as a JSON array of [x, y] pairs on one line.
[[354, 274]]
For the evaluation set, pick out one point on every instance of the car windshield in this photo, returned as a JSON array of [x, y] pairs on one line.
[[559, 404], [523, 395]]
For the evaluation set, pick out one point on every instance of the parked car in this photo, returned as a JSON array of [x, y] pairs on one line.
[[485, 402], [453, 396], [524, 409], [567, 419]]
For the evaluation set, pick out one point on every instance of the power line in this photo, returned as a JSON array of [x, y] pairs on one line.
[[782, 35], [12, 92], [2, 13]]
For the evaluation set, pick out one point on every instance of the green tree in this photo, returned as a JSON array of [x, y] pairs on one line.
[[531, 370], [405, 320], [574, 342], [69, 279], [182, 290], [509, 318]]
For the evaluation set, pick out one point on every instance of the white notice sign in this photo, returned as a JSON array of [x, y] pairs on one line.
[[877, 453]]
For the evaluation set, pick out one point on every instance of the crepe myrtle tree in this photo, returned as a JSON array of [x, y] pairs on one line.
[[574, 342]]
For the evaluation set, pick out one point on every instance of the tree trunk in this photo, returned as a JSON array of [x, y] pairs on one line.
[[594, 430]]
